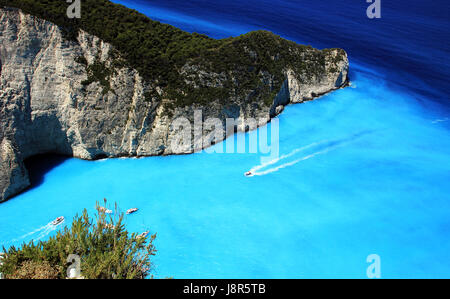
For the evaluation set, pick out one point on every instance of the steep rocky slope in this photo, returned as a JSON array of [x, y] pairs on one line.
[[77, 97]]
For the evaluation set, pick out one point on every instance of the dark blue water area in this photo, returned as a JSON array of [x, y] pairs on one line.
[[409, 44]]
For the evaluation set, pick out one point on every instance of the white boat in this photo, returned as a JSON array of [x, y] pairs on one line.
[[58, 221], [131, 211]]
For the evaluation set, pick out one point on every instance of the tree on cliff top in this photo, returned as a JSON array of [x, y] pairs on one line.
[[106, 250]]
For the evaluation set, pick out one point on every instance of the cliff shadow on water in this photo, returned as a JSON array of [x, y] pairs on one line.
[[38, 166]]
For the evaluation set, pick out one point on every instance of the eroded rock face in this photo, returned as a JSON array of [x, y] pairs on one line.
[[50, 103], [13, 175]]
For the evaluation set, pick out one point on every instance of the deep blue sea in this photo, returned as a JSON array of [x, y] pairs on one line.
[[364, 170]]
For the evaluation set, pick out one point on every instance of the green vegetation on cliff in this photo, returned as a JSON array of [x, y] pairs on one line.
[[160, 51], [106, 250]]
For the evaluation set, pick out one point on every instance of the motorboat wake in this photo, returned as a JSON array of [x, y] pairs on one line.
[[318, 148]]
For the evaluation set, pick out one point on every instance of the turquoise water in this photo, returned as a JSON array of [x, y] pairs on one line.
[[380, 188], [363, 170]]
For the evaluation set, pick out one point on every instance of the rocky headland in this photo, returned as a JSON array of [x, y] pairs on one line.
[[83, 97]]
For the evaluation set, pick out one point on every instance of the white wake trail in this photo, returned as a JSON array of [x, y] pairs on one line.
[[330, 145], [41, 232], [440, 120], [271, 170], [38, 230], [46, 232], [276, 160]]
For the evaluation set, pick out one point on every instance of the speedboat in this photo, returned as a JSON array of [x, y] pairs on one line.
[[143, 235], [58, 220], [248, 173], [131, 211]]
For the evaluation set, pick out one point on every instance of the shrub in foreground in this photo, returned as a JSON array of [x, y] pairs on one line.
[[106, 250]]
